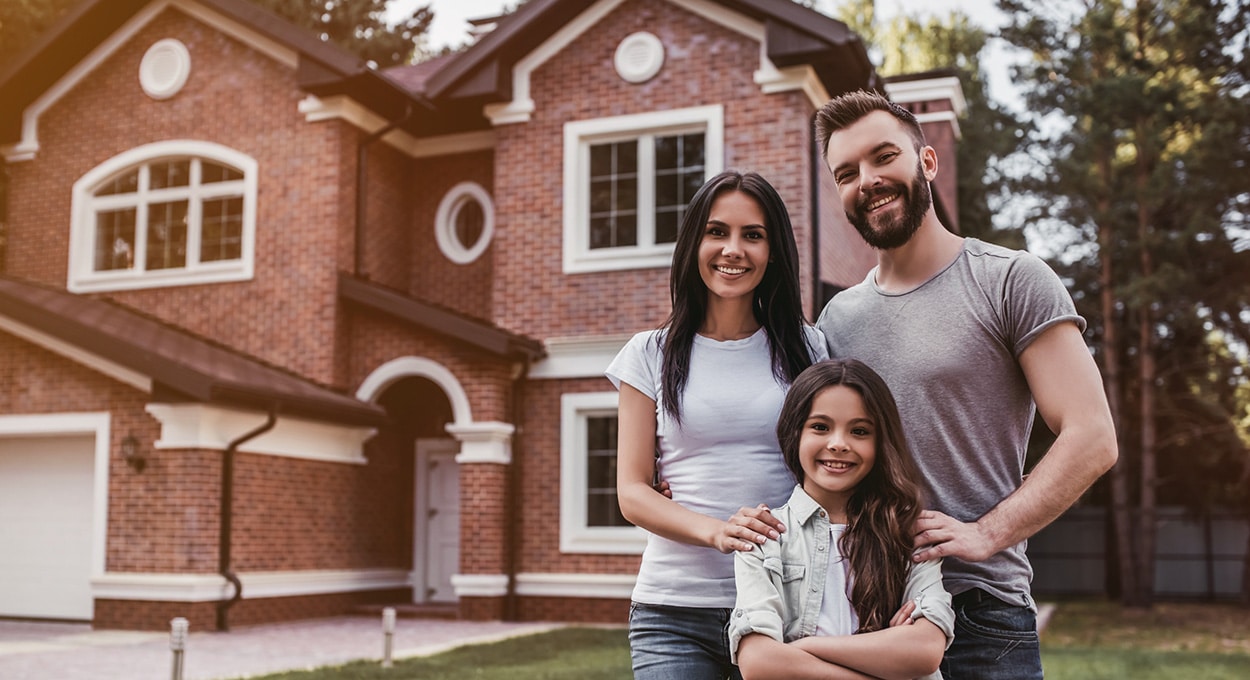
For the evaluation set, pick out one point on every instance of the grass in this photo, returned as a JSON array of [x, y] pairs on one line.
[[1102, 641], [1082, 641]]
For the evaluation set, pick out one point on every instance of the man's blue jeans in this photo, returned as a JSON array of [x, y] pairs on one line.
[[993, 640], [680, 643]]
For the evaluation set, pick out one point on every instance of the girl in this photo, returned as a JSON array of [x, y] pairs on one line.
[[699, 397], [844, 565]]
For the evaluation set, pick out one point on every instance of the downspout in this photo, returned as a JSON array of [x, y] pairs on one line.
[[512, 607], [818, 294], [227, 518], [362, 172]]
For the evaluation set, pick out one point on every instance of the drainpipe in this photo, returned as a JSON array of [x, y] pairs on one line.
[[512, 607], [227, 518], [362, 172]]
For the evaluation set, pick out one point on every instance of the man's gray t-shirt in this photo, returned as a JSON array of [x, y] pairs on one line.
[[949, 352]]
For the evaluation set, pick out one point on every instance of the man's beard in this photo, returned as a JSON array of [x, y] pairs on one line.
[[893, 233]]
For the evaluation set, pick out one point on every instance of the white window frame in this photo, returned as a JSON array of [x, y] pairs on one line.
[[576, 536], [82, 276], [445, 222], [579, 136]]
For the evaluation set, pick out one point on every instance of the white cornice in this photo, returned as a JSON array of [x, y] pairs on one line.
[[946, 88], [200, 426], [484, 442], [609, 586], [480, 585], [574, 357]]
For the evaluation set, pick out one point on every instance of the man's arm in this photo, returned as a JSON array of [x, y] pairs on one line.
[[1069, 393]]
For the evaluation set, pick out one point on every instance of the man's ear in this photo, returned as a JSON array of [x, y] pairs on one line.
[[929, 161]]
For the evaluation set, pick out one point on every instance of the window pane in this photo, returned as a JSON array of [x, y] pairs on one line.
[[602, 508], [690, 181], [167, 235], [215, 172], [221, 227], [469, 222], [613, 194], [666, 152], [115, 239], [666, 223], [169, 174], [127, 183], [692, 150]]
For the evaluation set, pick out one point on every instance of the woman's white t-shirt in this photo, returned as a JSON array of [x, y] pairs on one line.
[[723, 456]]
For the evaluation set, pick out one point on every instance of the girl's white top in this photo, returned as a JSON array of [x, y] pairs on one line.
[[723, 456]]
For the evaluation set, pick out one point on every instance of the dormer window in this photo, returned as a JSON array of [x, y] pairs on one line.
[[165, 214]]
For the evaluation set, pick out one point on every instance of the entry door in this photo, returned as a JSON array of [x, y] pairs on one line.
[[437, 543], [46, 508]]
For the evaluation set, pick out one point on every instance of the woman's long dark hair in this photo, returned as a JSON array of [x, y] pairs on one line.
[[777, 300], [885, 505]]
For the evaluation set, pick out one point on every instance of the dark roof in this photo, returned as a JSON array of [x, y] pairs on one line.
[[324, 68], [176, 360], [474, 332], [795, 35]]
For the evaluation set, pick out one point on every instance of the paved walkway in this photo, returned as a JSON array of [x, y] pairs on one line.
[[70, 651]]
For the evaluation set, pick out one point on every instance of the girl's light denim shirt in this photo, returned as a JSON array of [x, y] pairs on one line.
[[781, 584]]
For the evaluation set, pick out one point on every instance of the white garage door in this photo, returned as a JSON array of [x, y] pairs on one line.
[[46, 509]]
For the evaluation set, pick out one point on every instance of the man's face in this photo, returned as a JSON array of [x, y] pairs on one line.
[[882, 181]]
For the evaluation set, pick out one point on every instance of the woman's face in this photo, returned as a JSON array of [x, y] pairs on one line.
[[734, 250]]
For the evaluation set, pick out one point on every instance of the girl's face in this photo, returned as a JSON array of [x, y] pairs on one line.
[[733, 252], [837, 448]]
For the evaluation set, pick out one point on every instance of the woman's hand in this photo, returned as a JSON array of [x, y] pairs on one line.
[[747, 528]]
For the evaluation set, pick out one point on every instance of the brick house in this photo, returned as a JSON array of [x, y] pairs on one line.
[[281, 334]]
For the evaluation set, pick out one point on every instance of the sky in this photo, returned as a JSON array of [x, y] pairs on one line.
[[450, 26]]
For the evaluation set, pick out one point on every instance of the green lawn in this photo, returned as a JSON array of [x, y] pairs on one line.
[[1083, 641]]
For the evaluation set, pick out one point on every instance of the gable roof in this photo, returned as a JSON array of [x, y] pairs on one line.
[[181, 365], [323, 67], [795, 35]]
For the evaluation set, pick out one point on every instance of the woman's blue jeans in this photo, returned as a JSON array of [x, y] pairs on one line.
[[680, 643], [993, 640]]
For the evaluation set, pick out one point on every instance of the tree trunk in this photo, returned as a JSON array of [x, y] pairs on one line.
[[1148, 371]]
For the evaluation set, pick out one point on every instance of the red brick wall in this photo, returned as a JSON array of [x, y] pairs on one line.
[[465, 288], [236, 97], [705, 64]]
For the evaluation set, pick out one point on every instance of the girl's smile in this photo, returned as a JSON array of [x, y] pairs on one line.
[[837, 448]]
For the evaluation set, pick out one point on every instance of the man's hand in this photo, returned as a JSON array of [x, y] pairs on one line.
[[940, 535]]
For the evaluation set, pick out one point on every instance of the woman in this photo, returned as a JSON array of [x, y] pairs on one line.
[[698, 407]]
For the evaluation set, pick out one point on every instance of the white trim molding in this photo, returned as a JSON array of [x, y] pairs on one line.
[[96, 424], [579, 136], [256, 585], [586, 357], [576, 535], [484, 442], [200, 426], [480, 585], [946, 88], [610, 586], [388, 373], [449, 209], [342, 107]]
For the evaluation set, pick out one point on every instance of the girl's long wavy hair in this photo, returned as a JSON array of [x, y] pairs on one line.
[[883, 508], [777, 300]]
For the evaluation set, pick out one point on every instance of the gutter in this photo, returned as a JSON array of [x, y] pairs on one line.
[[225, 535]]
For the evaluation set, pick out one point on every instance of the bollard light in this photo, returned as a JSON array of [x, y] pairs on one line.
[[388, 635], [178, 644]]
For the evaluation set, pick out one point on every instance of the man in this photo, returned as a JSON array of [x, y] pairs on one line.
[[969, 336]]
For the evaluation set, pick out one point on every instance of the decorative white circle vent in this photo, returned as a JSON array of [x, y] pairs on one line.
[[639, 57], [165, 68]]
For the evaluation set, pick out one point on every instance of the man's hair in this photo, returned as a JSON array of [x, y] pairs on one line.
[[845, 110]]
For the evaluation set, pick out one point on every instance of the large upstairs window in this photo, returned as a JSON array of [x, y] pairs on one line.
[[164, 214]]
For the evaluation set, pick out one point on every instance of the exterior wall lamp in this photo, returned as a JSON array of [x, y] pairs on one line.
[[132, 455]]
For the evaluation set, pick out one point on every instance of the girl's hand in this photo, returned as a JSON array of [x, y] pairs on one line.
[[903, 616], [747, 528]]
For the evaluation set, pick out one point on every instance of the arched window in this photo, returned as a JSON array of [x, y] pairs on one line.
[[165, 214]]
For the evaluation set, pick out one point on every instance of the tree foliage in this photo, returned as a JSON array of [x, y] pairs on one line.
[[22, 21], [1141, 115], [361, 27]]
